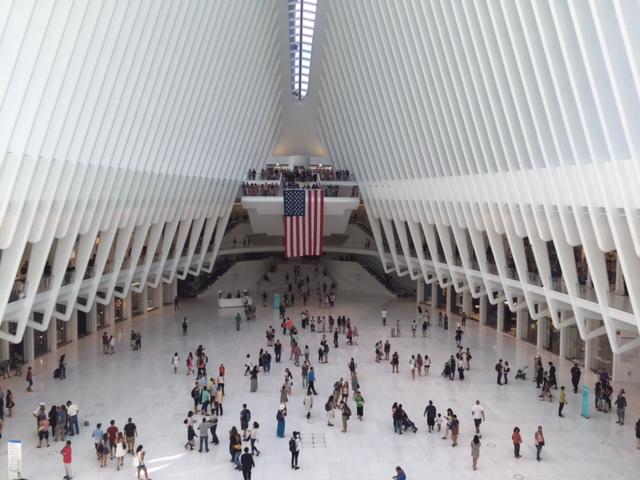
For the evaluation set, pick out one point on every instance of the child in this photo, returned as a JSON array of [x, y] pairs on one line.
[[104, 450], [97, 437], [191, 435], [66, 459], [439, 422]]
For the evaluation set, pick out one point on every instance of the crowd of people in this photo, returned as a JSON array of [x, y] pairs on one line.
[[207, 390]]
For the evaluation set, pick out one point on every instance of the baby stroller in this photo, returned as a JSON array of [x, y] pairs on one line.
[[407, 424], [521, 374], [447, 370]]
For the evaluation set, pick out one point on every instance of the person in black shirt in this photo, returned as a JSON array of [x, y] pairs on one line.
[[575, 377], [430, 413], [130, 434], [246, 460]]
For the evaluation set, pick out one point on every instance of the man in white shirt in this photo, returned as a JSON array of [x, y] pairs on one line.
[[72, 413], [477, 412], [384, 317]]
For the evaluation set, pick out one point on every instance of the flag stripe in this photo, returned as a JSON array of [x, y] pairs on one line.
[[303, 225]]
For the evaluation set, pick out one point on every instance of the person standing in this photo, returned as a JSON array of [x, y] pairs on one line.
[[430, 413], [499, 368], [246, 460], [203, 430], [426, 362], [66, 453], [387, 349], [455, 430], [331, 414], [477, 412], [121, 451], [553, 380], [505, 372], [516, 438], [638, 434], [185, 327], [475, 451], [412, 366], [175, 303], [539, 442], [621, 405], [346, 413], [359, 399], [395, 361], [280, 417], [575, 377], [72, 417], [384, 317], [562, 400], [294, 448], [414, 327]]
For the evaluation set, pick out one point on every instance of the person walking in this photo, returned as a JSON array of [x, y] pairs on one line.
[[575, 377], [213, 426], [246, 460], [426, 363], [477, 412], [539, 442], [29, 379], [412, 366], [245, 418], [185, 327], [139, 463], [253, 438], [307, 402], [130, 434], [562, 400], [621, 405], [516, 438], [191, 437], [430, 413], [66, 453], [311, 381], [121, 451], [638, 434], [384, 317], [475, 451], [400, 475], [175, 361]]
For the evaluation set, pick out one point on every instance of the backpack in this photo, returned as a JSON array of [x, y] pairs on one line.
[[327, 406], [347, 411], [292, 445]]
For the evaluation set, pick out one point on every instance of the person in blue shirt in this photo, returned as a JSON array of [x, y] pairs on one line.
[[311, 380], [400, 475]]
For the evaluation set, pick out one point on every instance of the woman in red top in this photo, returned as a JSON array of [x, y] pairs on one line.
[[517, 440], [66, 459]]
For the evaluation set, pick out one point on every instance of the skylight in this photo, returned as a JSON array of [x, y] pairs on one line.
[[302, 17]]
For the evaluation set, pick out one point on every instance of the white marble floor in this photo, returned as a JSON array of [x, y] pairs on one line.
[[142, 385]]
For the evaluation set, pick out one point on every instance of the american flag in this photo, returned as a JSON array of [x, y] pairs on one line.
[[303, 222]]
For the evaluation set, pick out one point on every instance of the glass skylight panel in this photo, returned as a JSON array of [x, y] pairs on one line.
[[302, 17]]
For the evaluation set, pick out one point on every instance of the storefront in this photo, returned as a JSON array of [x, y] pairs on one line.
[[531, 332], [492, 315], [138, 304], [575, 345], [510, 320], [553, 336], [118, 310], [40, 339], [62, 330], [101, 318], [83, 324]]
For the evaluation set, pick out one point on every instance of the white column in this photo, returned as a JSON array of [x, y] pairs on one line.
[[563, 335], [483, 309], [52, 335], [588, 349], [27, 345], [521, 320], [92, 319], [156, 296], [419, 291], [500, 321], [542, 331], [4, 350], [619, 288], [72, 327], [126, 304], [434, 300], [109, 320], [449, 299], [467, 302]]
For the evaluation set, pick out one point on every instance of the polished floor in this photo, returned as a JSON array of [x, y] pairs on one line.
[[142, 385]]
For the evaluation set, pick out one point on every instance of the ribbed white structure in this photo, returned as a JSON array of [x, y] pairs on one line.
[[476, 124], [131, 121]]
